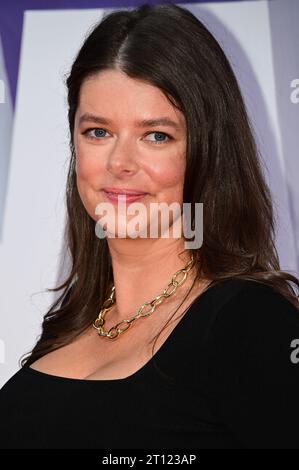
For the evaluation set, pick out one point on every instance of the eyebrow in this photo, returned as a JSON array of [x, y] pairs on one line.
[[161, 121]]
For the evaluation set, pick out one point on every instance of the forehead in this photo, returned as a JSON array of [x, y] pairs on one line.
[[117, 96]]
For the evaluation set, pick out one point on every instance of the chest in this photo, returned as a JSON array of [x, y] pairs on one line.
[[92, 357]]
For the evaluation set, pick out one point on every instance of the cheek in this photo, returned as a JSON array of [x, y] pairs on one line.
[[88, 168], [84, 169], [169, 172], [88, 174], [87, 185]]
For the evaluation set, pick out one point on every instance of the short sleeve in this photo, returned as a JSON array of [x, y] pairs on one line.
[[252, 368]]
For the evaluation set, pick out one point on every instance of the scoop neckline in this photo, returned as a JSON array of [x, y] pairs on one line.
[[146, 366]]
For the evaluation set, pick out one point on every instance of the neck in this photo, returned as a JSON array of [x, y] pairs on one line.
[[141, 272]]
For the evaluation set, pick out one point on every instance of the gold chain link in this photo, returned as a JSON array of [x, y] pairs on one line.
[[115, 331]]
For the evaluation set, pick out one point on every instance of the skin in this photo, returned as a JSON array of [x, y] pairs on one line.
[[124, 155]]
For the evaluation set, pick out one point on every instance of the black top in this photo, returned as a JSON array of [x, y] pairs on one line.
[[232, 382]]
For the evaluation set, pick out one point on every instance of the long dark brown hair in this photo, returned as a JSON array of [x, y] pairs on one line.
[[168, 47]]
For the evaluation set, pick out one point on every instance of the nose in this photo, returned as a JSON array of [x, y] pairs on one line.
[[123, 157]]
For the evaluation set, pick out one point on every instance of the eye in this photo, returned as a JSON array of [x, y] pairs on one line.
[[160, 134], [97, 130]]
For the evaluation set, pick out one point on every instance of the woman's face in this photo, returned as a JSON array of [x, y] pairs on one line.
[[121, 152]]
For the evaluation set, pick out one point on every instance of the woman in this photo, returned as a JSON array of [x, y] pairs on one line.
[[225, 372]]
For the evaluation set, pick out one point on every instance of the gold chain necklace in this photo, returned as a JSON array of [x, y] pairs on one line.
[[115, 331]]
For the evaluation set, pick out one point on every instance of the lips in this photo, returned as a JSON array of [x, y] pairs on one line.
[[121, 197], [123, 191]]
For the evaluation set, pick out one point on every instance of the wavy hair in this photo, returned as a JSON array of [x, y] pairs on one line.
[[223, 165]]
